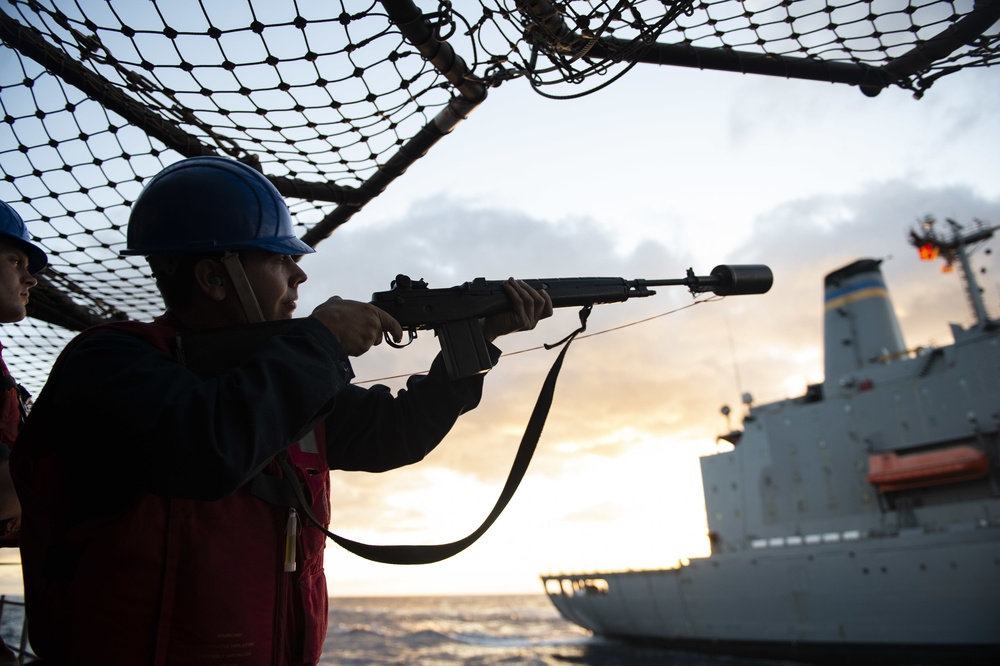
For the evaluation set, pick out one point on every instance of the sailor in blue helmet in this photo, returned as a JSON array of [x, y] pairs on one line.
[[20, 259], [162, 540]]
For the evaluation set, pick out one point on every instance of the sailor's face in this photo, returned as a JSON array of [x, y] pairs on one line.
[[15, 282], [275, 279]]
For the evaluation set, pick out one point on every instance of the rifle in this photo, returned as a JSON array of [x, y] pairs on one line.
[[453, 313]]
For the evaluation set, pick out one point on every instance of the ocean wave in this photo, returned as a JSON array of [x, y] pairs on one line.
[[486, 631], [358, 630], [493, 640]]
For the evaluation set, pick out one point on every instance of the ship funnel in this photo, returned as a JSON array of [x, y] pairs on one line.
[[860, 325]]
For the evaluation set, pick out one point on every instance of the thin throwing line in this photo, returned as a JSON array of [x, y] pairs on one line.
[[579, 337]]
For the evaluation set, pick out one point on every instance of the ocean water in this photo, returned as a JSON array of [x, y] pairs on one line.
[[505, 630], [481, 631], [11, 619]]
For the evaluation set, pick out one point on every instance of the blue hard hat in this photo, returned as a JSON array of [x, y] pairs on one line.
[[209, 204], [14, 231]]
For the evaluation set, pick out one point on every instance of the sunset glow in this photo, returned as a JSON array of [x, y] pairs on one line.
[[663, 171]]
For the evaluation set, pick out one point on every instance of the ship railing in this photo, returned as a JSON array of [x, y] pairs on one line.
[[20, 647], [913, 352], [571, 585]]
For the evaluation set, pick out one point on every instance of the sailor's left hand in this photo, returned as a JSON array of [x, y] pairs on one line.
[[528, 307]]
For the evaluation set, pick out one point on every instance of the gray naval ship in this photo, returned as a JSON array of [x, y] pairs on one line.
[[858, 522]]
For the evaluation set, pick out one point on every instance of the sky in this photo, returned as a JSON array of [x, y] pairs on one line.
[[664, 170]]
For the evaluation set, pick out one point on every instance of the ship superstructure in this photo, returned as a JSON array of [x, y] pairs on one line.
[[861, 518]]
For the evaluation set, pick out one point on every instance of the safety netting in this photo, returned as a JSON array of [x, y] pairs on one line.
[[333, 101]]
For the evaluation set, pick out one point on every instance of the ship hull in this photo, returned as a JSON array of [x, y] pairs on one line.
[[859, 521], [934, 598]]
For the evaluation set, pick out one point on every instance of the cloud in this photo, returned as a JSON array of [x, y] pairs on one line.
[[667, 377], [448, 241], [645, 180], [804, 240]]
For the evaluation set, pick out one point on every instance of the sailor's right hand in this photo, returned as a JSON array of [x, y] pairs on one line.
[[358, 326]]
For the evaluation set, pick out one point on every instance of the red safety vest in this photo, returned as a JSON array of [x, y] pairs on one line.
[[12, 412], [10, 405], [173, 581]]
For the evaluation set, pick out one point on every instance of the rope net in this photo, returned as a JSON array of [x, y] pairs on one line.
[[334, 100]]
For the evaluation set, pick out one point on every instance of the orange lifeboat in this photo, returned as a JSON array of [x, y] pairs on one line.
[[889, 471]]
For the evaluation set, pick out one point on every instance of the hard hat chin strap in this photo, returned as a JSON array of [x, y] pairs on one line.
[[238, 277]]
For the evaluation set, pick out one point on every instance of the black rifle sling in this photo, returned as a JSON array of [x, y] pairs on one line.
[[427, 554], [210, 354]]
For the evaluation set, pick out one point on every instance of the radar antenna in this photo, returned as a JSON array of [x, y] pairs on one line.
[[959, 247]]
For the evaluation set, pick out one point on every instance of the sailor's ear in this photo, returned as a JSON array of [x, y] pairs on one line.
[[208, 275]]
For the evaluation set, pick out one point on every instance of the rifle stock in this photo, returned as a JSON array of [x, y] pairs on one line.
[[453, 313]]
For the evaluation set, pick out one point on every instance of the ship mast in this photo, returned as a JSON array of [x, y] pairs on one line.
[[930, 246]]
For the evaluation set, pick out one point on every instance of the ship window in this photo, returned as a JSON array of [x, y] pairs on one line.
[[592, 586], [553, 586]]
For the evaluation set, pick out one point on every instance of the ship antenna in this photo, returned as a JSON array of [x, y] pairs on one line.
[[736, 364], [931, 245], [972, 289]]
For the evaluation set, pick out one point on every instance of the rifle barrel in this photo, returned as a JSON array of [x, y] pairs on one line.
[[415, 306], [725, 280]]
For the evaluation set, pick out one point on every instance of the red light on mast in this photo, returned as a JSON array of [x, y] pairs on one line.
[[928, 252]]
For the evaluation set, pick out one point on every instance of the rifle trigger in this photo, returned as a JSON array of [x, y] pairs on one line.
[[399, 345]]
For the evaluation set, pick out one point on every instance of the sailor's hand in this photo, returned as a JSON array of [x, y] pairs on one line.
[[358, 326], [528, 306]]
